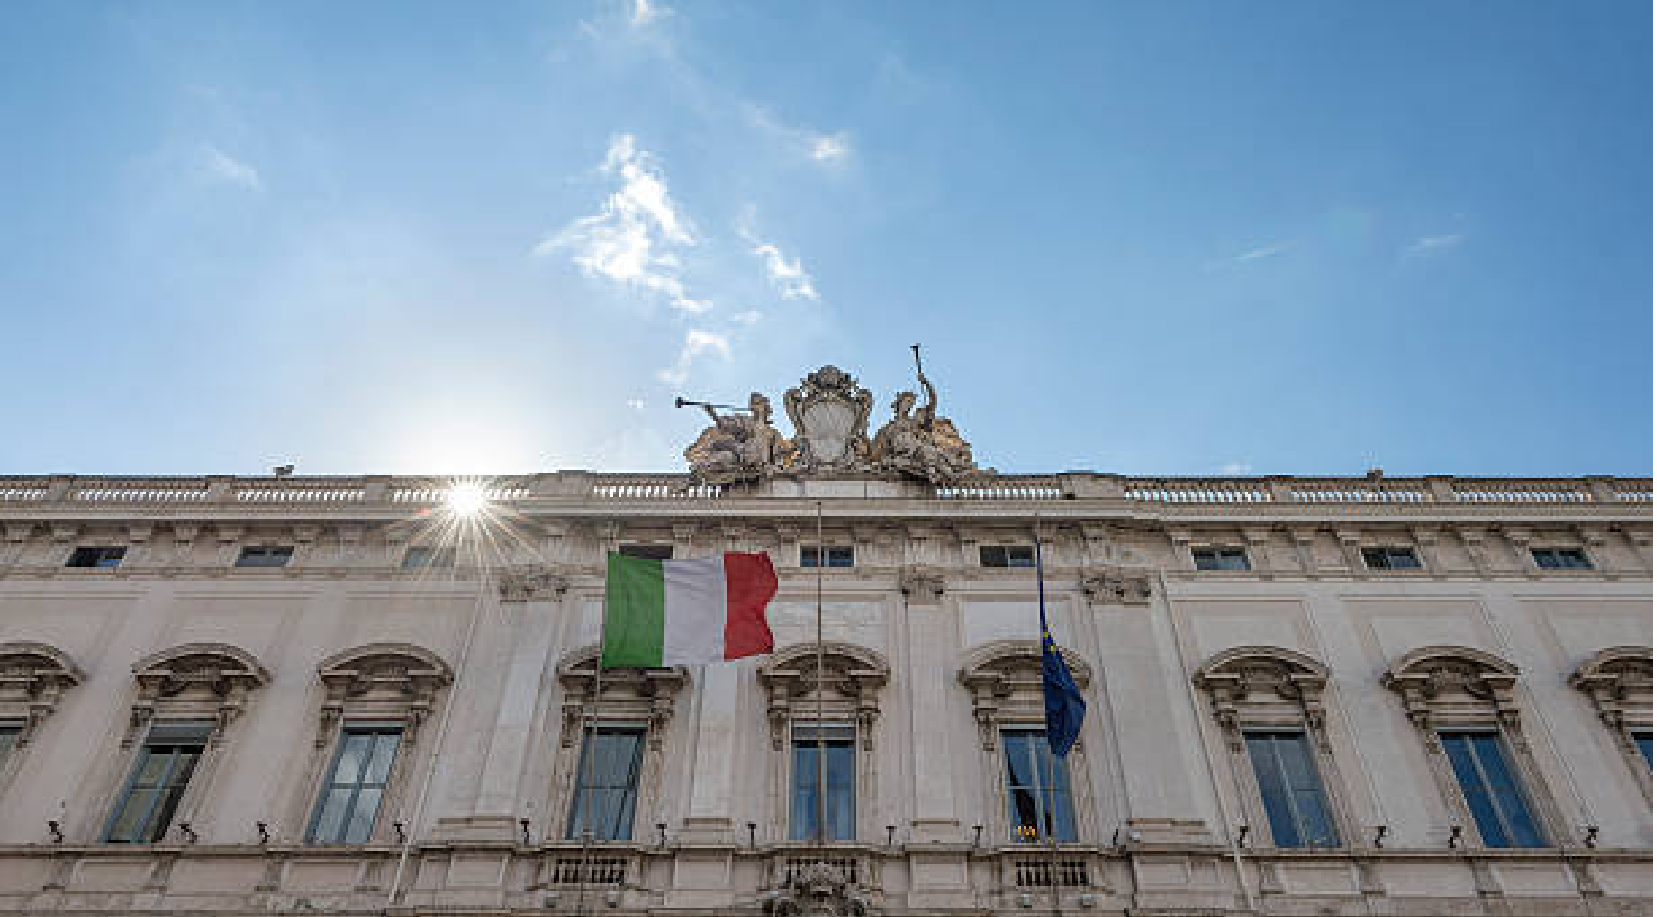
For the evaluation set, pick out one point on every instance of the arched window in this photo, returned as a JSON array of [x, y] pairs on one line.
[[825, 783], [1033, 796], [1463, 706], [33, 679], [1618, 682], [1269, 704], [188, 697], [375, 699], [610, 751]]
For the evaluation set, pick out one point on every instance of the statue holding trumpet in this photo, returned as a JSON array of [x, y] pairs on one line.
[[742, 445]]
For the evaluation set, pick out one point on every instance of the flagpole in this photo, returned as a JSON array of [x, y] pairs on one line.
[[822, 759], [1049, 822], [584, 775]]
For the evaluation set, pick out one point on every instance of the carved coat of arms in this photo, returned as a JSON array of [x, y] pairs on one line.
[[830, 412]]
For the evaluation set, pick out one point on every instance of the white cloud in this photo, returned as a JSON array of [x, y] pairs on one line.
[[1425, 244], [1236, 468], [645, 12], [224, 167], [636, 404], [632, 237], [785, 273], [824, 149], [747, 317], [1264, 251], [696, 343]]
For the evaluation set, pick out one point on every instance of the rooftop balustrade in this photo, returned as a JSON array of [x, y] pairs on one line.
[[581, 486]]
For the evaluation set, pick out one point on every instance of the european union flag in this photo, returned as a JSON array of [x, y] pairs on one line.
[[1063, 700]]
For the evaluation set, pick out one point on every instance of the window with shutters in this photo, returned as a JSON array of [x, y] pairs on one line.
[[1490, 788], [356, 784], [1290, 789], [607, 783]]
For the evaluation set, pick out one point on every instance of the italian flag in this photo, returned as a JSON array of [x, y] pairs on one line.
[[686, 612]]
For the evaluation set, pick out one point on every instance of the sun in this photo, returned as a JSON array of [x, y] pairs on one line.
[[466, 499]]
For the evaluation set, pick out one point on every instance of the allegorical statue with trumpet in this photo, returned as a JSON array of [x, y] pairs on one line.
[[830, 413]]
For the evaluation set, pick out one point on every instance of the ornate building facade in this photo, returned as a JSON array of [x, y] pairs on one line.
[[1305, 695]]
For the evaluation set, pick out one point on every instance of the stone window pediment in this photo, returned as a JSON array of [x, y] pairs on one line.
[[1265, 686], [1004, 679], [209, 681], [851, 680], [1618, 681], [1455, 686], [33, 679], [643, 694], [382, 681]]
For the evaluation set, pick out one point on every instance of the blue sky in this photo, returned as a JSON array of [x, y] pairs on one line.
[[1154, 238]]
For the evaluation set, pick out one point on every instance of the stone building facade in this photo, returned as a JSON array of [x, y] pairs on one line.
[[1306, 696]]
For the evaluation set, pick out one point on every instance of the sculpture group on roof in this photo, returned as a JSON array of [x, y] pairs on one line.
[[830, 414]]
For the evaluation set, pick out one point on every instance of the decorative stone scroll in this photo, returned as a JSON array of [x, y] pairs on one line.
[[381, 681], [638, 694], [815, 890], [830, 413], [207, 681], [1004, 679], [33, 679], [852, 677], [1618, 682]]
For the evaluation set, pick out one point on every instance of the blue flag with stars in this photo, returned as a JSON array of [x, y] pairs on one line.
[[1063, 700]]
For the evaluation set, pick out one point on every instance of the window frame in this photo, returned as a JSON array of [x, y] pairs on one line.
[[639, 731], [284, 552], [169, 802], [384, 786], [1584, 563], [436, 557], [835, 552], [1035, 737], [1489, 790], [847, 740], [1303, 839], [646, 550], [1006, 556], [1219, 553], [99, 554], [1388, 552]]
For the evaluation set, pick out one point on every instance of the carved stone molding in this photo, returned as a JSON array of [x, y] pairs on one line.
[[33, 678], [830, 413], [197, 680], [641, 694], [1117, 586], [851, 680], [819, 889], [1264, 686], [1618, 681], [1004, 679], [922, 585], [1453, 685], [531, 584], [382, 681]]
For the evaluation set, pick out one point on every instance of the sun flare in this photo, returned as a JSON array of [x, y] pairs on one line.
[[466, 499]]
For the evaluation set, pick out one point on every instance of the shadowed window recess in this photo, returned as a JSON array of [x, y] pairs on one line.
[[1391, 558], [99, 558], [1492, 793], [827, 556], [1038, 789], [1004, 555], [1561, 559], [607, 783], [840, 780], [647, 551], [1641, 737], [158, 780], [356, 784], [1291, 789], [1220, 558], [265, 556], [420, 556]]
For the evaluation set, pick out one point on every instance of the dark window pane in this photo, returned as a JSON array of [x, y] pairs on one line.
[[158, 779], [1021, 556], [1492, 795], [992, 555], [355, 784], [1642, 741], [607, 784], [8, 740], [367, 805], [265, 556], [840, 773], [831, 556], [385, 751], [1038, 788], [330, 818], [648, 551], [97, 557], [1290, 789]]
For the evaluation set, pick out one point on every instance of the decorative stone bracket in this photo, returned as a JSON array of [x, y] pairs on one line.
[[1004, 679], [1265, 686], [197, 680], [1117, 586], [631, 693], [33, 678], [922, 585], [391, 681], [852, 677], [531, 584]]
